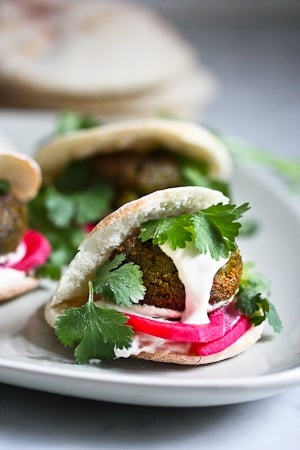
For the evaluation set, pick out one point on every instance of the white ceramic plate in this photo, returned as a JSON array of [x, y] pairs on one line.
[[30, 355]]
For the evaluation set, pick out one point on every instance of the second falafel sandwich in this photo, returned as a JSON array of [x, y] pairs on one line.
[[160, 279], [89, 173], [21, 250]]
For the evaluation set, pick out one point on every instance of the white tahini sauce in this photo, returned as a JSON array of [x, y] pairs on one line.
[[196, 272]]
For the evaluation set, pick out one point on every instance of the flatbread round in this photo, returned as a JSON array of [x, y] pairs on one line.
[[140, 135], [183, 96], [103, 48], [22, 172]]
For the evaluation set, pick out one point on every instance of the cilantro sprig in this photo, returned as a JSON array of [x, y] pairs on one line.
[[253, 301], [213, 230], [94, 331], [118, 282], [242, 151], [4, 186], [61, 215], [69, 121], [196, 173]]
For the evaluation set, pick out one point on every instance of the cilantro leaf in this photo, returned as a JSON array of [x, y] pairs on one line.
[[196, 174], [4, 186], [61, 217], [122, 283], [93, 203], [60, 208], [94, 331], [253, 301], [70, 121], [79, 208], [174, 230], [64, 241], [75, 177], [208, 238], [274, 319], [213, 229], [241, 150], [249, 227]]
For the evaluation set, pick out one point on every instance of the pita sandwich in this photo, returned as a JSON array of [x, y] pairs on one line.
[[168, 326], [141, 137], [21, 249]]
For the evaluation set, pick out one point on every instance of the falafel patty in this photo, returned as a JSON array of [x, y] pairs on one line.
[[142, 173], [12, 222], [164, 289]]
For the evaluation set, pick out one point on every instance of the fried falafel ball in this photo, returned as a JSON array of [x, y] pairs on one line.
[[142, 173], [164, 289], [12, 222]]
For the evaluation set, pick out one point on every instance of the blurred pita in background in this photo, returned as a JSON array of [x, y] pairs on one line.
[[113, 59]]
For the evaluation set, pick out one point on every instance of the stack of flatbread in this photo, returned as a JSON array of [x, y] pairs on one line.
[[113, 59]]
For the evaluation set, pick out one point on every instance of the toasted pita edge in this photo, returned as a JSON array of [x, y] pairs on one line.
[[22, 172], [182, 137], [242, 344], [113, 229]]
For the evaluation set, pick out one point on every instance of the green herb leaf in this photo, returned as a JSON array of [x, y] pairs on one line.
[[122, 283], [93, 203], [253, 301], [4, 186], [195, 174], [249, 227], [75, 177], [177, 231], [213, 229], [64, 241], [96, 332], [61, 217], [60, 208], [288, 168], [69, 121]]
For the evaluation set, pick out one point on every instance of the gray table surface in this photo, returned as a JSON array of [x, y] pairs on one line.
[[257, 62]]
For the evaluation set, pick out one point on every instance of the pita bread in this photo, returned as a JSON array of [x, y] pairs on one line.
[[72, 289], [141, 135], [22, 172], [102, 48], [14, 283], [181, 97], [177, 354], [109, 58]]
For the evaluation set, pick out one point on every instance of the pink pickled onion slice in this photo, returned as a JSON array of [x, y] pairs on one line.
[[228, 339], [89, 227], [221, 321], [38, 250]]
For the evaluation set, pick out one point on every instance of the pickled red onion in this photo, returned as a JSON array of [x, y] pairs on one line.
[[38, 250]]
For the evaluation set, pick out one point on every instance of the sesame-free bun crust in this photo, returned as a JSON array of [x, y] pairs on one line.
[[22, 172], [139, 135]]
